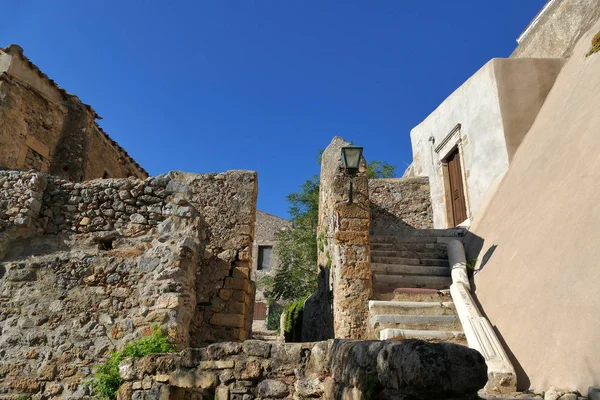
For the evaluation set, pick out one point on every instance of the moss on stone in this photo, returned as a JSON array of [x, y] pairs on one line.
[[595, 45]]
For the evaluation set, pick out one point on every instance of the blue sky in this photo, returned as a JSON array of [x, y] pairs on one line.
[[205, 86]]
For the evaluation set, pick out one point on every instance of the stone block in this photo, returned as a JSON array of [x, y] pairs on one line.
[[235, 283], [193, 379], [190, 357], [356, 270], [352, 238], [216, 364], [168, 300], [354, 224], [239, 272], [222, 393], [238, 295], [248, 370], [271, 388], [353, 210], [237, 307], [217, 351], [230, 320], [257, 348]]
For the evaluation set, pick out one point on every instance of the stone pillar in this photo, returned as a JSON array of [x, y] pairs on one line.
[[343, 239]]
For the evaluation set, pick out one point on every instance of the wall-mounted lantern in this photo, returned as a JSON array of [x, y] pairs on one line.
[[351, 156]]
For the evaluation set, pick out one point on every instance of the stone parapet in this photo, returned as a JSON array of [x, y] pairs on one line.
[[335, 369], [400, 205]]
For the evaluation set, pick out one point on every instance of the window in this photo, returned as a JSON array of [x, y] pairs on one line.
[[260, 311], [264, 258]]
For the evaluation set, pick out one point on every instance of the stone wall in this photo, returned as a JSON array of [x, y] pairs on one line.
[[554, 32], [336, 369], [400, 205], [44, 128], [343, 240], [105, 260]]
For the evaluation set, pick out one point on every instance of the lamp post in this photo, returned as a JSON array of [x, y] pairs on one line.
[[351, 157]]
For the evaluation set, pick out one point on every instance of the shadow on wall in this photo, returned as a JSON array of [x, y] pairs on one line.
[[385, 223], [317, 323], [71, 153], [474, 245]]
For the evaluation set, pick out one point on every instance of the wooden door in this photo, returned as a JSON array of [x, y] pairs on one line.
[[457, 193]]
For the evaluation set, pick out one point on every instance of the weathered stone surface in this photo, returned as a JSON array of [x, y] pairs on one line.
[[272, 388], [327, 370], [343, 232], [554, 393], [431, 371], [400, 205], [257, 348], [44, 128], [75, 292]]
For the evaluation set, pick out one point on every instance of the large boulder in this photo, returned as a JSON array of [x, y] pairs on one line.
[[408, 369]]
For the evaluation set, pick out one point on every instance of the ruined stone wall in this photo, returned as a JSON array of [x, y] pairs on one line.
[[113, 257], [336, 369], [44, 128], [344, 243], [556, 30], [400, 205]]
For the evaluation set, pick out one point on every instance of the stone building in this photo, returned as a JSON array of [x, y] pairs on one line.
[[44, 128], [512, 154], [264, 260], [466, 144]]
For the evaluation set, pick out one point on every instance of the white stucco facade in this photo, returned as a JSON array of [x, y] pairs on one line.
[[495, 106]]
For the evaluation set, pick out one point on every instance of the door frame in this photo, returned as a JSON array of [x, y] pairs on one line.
[[453, 142]]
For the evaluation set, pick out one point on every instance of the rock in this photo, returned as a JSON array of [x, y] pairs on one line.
[[560, 394], [309, 388], [272, 388], [431, 370], [257, 348], [218, 351], [138, 219]]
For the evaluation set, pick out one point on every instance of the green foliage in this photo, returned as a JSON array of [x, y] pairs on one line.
[[297, 249], [380, 169], [23, 397], [107, 381], [471, 266], [274, 317], [293, 321], [595, 45]]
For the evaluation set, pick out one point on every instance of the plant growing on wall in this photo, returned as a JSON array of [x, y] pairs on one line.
[[595, 45], [107, 381], [293, 321]]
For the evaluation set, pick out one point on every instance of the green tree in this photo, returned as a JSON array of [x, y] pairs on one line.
[[296, 249]]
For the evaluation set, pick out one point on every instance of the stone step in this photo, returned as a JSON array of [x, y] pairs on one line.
[[404, 240], [435, 254], [457, 337], [412, 246], [433, 262], [413, 294], [385, 283], [392, 269], [452, 232], [411, 307], [418, 322]]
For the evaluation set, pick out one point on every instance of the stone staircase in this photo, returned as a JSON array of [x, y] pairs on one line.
[[411, 281]]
